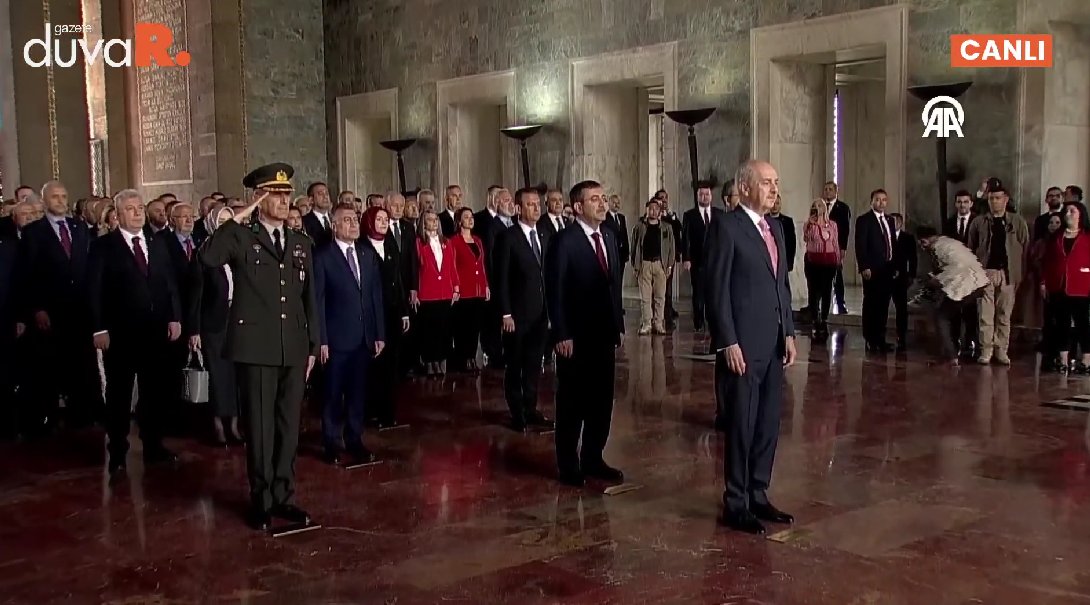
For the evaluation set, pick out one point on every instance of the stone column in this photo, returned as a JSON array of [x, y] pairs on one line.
[[9, 137]]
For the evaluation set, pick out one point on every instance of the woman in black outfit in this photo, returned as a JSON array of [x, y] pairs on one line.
[[207, 309], [383, 375]]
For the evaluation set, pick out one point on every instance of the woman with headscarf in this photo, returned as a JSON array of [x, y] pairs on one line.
[[384, 375], [210, 293]]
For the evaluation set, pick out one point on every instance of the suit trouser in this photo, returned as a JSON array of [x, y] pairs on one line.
[[584, 403], [652, 280], [995, 306], [754, 401], [383, 375], [876, 295], [9, 408], [819, 279], [141, 356], [838, 284], [523, 351], [1073, 310], [696, 279], [490, 325], [965, 325], [345, 398], [64, 346], [272, 398]]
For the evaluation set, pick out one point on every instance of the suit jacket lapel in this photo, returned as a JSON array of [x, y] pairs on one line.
[[265, 239], [754, 233]]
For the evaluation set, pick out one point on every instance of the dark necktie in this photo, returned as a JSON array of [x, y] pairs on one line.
[[961, 227], [535, 245], [885, 236], [189, 249], [350, 252], [66, 237], [277, 244], [138, 254], [397, 234], [325, 222], [559, 224], [600, 251]]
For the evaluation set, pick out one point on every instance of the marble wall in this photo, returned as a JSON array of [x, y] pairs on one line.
[[413, 44]]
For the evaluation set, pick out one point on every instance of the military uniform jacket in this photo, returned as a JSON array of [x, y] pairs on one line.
[[273, 319]]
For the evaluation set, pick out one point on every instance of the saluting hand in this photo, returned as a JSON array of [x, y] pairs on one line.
[[244, 215]]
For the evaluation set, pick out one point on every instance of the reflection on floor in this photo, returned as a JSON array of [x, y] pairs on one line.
[[910, 484]]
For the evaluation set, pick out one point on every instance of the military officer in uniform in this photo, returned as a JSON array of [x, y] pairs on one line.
[[272, 336]]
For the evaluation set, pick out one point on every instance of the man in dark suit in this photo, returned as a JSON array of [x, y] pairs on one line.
[[348, 293], [136, 316], [552, 220], [965, 326], [617, 221], [52, 273], [403, 233], [453, 201], [487, 225], [788, 226], [905, 261], [317, 223], [182, 246], [10, 329], [1054, 199], [841, 214], [583, 297], [694, 231], [273, 336], [519, 290], [874, 255], [750, 316]]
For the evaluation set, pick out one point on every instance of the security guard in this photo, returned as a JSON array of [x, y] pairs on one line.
[[272, 336]]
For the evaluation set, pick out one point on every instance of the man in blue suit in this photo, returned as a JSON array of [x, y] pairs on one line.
[[749, 313], [583, 296], [348, 290]]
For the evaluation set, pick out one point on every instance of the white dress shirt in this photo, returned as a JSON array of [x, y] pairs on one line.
[[705, 214], [379, 246], [322, 217], [753, 216], [590, 236], [437, 250], [557, 220]]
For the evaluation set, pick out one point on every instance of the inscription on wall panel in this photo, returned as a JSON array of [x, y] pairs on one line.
[[166, 146]]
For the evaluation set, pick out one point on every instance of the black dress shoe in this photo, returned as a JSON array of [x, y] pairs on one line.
[[290, 513], [771, 514], [330, 456], [744, 522], [603, 471], [159, 455], [259, 519], [361, 456], [572, 478], [539, 420]]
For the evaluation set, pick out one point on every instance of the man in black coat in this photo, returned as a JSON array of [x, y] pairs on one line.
[[519, 290], [318, 223], [52, 276], [841, 214], [273, 336], [583, 297], [135, 317], [694, 231], [905, 261], [552, 218], [965, 326], [616, 220], [874, 255]]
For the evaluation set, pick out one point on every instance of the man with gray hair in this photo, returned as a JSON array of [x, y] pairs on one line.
[[52, 278]]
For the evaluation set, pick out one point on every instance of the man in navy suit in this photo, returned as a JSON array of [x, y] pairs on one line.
[[874, 254], [583, 296], [348, 290], [749, 313], [52, 277]]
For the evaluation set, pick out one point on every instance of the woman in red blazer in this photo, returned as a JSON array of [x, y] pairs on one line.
[[1065, 284], [469, 310], [437, 291]]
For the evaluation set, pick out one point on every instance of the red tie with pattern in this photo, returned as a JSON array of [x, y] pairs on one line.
[[66, 237], [189, 249], [600, 251], [138, 254], [770, 244]]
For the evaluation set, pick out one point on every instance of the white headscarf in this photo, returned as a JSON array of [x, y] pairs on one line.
[[213, 219]]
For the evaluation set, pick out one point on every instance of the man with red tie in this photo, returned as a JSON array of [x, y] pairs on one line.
[[136, 316], [874, 254], [583, 296]]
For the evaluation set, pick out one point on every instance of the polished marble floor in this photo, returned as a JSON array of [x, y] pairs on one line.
[[911, 484]]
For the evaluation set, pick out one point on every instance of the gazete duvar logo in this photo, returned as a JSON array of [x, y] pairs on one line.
[[943, 116], [149, 46]]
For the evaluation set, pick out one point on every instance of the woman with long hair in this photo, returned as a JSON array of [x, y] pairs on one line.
[[210, 293], [108, 222], [469, 310], [436, 292], [1066, 285], [819, 263], [383, 379]]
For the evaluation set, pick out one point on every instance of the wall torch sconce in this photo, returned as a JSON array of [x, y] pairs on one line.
[[690, 118], [399, 146], [523, 134], [925, 94]]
